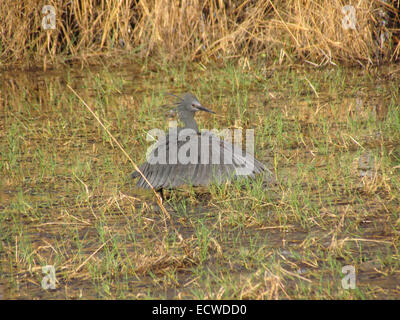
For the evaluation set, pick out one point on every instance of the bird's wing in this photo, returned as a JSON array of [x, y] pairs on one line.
[[233, 158], [163, 168], [215, 160]]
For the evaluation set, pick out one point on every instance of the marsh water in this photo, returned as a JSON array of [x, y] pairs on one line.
[[330, 135]]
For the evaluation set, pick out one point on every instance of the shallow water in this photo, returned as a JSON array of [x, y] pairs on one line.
[[65, 198]]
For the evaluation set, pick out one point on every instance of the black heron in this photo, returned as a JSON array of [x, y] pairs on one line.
[[186, 156]]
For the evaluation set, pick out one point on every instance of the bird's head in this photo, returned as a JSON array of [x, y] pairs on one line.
[[190, 104]]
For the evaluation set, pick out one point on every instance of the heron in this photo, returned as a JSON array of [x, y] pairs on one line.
[[187, 156]]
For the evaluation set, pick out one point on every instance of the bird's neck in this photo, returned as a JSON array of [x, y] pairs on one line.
[[189, 123]]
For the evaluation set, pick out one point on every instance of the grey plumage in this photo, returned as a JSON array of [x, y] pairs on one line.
[[200, 170]]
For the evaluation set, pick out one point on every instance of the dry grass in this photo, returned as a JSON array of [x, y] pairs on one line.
[[306, 30]]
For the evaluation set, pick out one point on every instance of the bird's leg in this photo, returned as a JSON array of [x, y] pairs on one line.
[[161, 194]]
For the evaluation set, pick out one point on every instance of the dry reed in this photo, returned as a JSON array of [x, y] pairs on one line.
[[304, 30]]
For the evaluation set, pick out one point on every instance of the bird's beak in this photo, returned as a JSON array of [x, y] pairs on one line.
[[201, 108]]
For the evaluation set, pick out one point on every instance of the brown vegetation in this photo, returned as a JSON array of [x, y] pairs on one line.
[[303, 30]]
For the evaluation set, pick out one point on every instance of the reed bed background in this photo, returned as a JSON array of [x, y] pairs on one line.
[[292, 30]]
